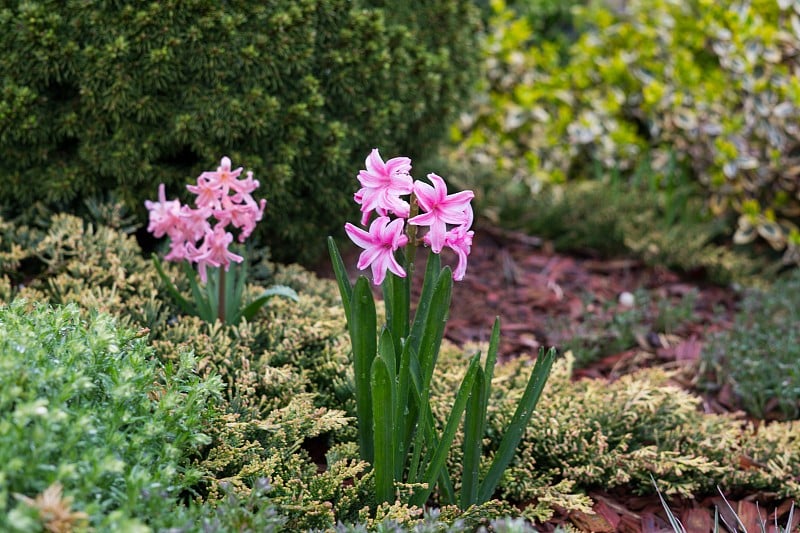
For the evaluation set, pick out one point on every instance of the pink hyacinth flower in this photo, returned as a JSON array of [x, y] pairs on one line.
[[208, 194], [164, 215], [459, 239], [214, 251], [224, 179], [243, 213], [440, 209], [382, 185], [379, 243]]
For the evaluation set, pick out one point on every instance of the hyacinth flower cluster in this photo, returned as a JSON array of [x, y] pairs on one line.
[[393, 366], [447, 217], [199, 235]]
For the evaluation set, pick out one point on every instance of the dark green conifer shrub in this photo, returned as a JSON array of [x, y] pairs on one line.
[[111, 99]]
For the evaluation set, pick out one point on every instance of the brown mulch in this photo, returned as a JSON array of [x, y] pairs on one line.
[[543, 298]]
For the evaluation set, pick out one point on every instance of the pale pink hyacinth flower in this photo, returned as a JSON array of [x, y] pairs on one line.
[[164, 215], [440, 209], [214, 251], [380, 243], [208, 195], [191, 234], [242, 211], [382, 185], [224, 179]]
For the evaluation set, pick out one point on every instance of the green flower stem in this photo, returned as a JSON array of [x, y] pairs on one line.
[[221, 296], [411, 232]]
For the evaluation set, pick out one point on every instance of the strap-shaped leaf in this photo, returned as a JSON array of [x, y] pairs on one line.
[[448, 493], [383, 429], [414, 424], [432, 270], [276, 290], [387, 353], [434, 468], [473, 441], [396, 296], [234, 288], [363, 328], [516, 428], [404, 410], [185, 305], [345, 288], [491, 360], [201, 301], [433, 330]]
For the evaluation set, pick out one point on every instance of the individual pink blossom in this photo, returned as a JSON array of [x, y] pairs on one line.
[[224, 178], [459, 239], [246, 186], [208, 195], [382, 185], [380, 243], [440, 209], [214, 251], [164, 215], [242, 214]]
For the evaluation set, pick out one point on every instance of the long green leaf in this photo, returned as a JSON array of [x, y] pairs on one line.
[[383, 429], [234, 288], [433, 330], [432, 271], [434, 468], [396, 302], [345, 288], [276, 290], [447, 492], [387, 353], [182, 302], [491, 360], [515, 430], [403, 408], [363, 329], [416, 426], [473, 441], [488, 370], [201, 300]]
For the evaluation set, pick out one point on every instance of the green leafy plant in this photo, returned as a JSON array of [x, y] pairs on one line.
[[86, 408], [393, 371], [714, 86], [758, 356]]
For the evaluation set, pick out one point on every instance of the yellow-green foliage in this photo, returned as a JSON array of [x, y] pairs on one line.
[[282, 372], [248, 449], [594, 434], [713, 81], [287, 380]]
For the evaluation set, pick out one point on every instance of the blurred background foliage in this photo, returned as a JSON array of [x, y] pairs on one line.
[[107, 100], [711, 84]]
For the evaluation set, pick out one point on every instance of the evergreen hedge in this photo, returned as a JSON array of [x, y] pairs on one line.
[[110, 99]]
